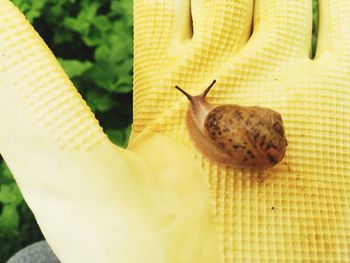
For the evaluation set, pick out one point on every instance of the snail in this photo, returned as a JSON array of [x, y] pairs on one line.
[[233, 135]]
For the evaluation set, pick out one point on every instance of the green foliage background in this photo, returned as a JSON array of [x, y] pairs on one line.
[[92, 40]]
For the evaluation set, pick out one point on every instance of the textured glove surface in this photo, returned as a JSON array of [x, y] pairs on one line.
[[81, 186], [300, 212], [94, 202]]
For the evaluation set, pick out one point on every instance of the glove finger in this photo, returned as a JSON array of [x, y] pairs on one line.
[[161, 30], [334, 29], [221, 26], [158, 25], [285, 26]]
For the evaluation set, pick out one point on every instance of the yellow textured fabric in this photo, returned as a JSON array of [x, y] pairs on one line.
[[300, 212], [98, 203], [93, 201]]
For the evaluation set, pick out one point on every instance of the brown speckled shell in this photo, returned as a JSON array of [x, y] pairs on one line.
[[253, 137]]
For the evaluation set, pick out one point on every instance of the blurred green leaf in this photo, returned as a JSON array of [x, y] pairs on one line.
[[119, 137], [9, 220], [10, 194], [5, 174], [123, 7], [124, 84], [102, 52], [85, 18], [75, 68], [102, 23], [100, 101], [103, 76]]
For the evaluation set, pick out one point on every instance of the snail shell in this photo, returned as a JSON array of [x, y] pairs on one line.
[[233, 135]]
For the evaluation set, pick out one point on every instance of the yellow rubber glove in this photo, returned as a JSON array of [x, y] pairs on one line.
[[301, 210], [64, 164], [94, 202]]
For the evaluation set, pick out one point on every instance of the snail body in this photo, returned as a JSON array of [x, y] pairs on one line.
[[233, 135]]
